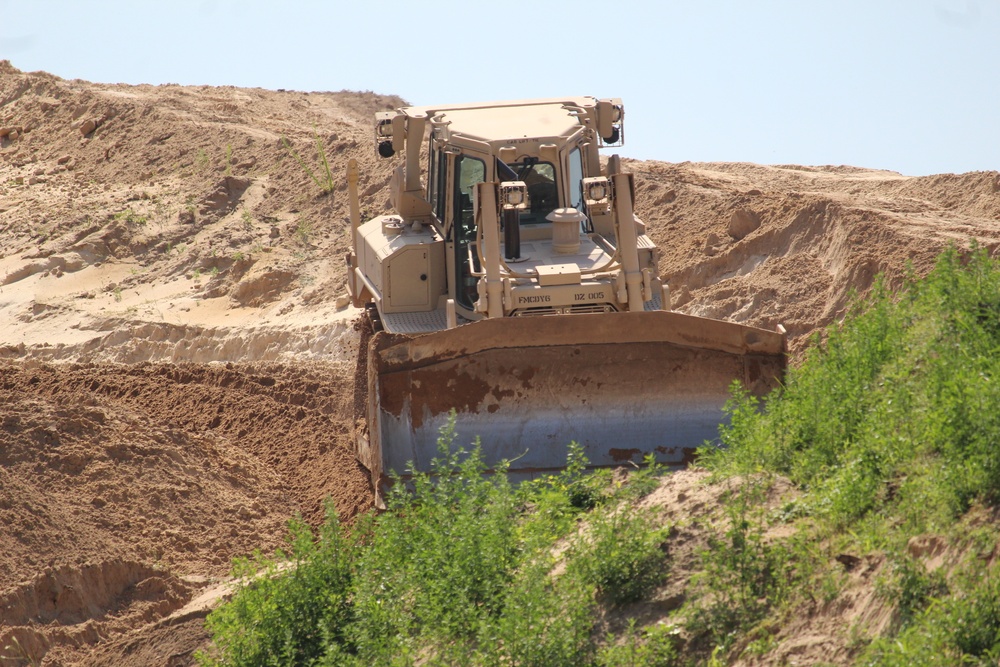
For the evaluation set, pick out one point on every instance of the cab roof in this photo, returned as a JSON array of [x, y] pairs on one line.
[[505, 122]]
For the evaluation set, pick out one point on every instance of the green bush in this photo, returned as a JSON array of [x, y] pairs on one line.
[[620, 553], [744, 575], [460, 569], [654, 647], [962, 629], [438, 562], [889, 428], [547, 621], [287, 614], [899, 409], [909, 586]]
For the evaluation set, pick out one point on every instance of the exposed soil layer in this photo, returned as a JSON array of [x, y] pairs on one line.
[[175, 468], [179, 358]]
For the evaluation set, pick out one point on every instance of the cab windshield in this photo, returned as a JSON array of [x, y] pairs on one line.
[[543, 197]]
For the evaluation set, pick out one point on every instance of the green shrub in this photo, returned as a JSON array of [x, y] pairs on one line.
[[743, 575], [652, 647], [620, 553], [962, 629], [460, 569], [437, 563], [287, 614], [546, 621], [889, 428], [909, 586], [899, 409]]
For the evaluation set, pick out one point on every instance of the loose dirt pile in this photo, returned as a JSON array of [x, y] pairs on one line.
[[118, 484], [179, 358], [768, 245]]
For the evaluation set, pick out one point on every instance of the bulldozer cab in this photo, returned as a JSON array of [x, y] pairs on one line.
[[453, 177]]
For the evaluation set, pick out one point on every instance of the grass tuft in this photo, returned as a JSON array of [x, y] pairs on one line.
[[325, 180]]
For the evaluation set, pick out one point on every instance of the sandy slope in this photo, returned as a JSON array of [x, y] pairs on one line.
[[178, 367]]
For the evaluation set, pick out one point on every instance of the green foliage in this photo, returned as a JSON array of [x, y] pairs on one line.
[[963, 629], [461, 568], [131, 218], [546, 620], [439, 560], [202, 159], [744, 575], [909, 586], [620, 553], [303, 231], [654, 647], [889, 428], [287, 616], [898, 410]]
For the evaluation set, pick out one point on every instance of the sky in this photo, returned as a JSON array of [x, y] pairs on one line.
[[907, 85]]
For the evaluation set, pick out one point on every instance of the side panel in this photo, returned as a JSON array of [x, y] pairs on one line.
[[408, 279], [405, 268]]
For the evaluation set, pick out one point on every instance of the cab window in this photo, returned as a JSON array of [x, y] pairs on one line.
[[468, 172], [432, 185], [543, 195], [576, 179], [437, 171]]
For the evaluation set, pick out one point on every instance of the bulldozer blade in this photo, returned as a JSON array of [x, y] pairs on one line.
[[622, 385]]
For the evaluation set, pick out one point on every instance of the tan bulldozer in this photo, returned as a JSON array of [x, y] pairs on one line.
[[513, 284]]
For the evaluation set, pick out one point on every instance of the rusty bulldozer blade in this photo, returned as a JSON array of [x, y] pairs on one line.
[[622, 385]]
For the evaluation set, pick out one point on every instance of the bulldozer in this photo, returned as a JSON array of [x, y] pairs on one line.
[[513, 290]]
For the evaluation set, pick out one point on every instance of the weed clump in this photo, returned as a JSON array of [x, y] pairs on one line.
[[960, 629], [324, 181]]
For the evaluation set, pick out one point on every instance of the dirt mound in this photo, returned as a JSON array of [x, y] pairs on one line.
[[66, 610], [175, 468], [180, 207], [188, 465], [806, 238]]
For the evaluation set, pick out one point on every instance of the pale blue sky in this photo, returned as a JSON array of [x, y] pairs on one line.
[[907, 85]]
